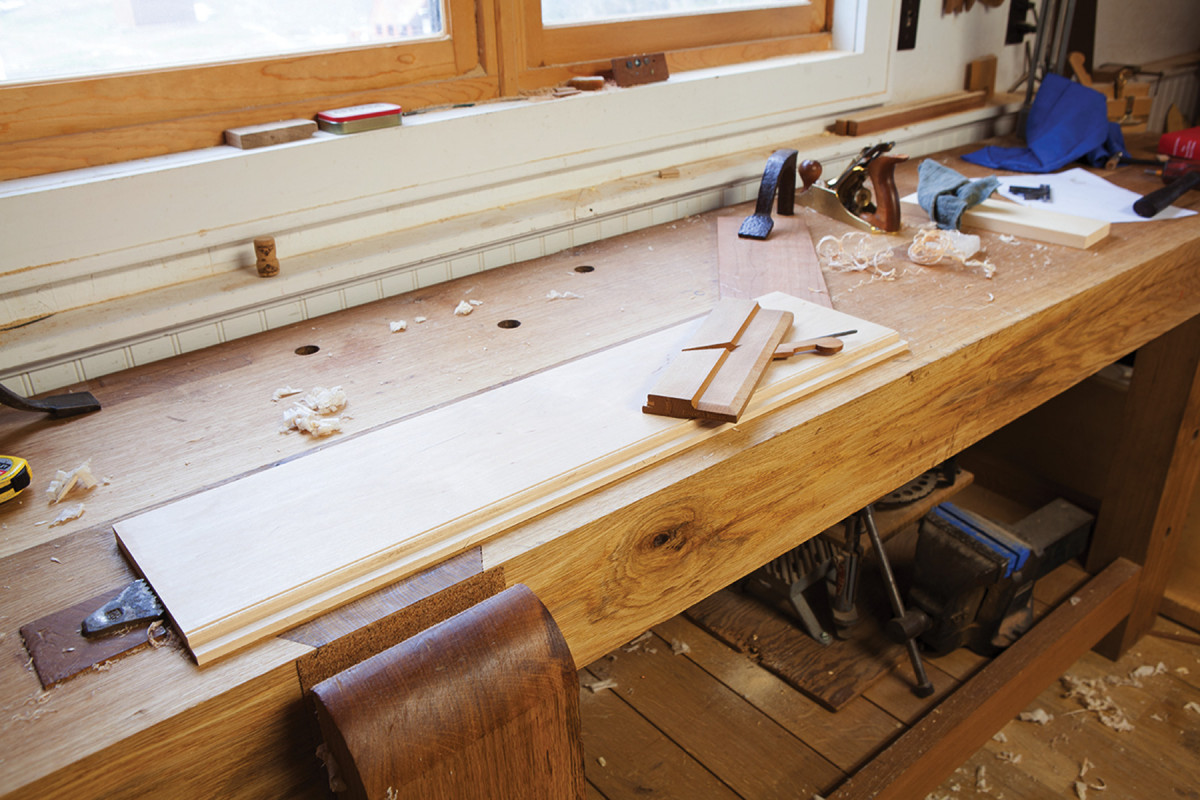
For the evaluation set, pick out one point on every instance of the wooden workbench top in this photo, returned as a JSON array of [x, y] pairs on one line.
[[983, 351]]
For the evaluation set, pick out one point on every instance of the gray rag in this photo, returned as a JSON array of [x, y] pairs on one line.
[[946, 194]]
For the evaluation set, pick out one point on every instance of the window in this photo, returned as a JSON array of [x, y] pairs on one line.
[[547, 44], [59, 115]]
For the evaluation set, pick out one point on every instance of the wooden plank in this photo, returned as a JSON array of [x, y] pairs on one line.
[[706, 719], [1154, 476], [930, 750], [901, 114], [847, 737], [786, 261], [1041, 225], [625, 755], [467, 471], [832, 676]]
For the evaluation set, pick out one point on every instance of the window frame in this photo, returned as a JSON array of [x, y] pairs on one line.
[[492, 49], [58, 125], [539, 55]]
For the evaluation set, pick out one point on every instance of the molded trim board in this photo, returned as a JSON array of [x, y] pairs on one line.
[[252, 557]]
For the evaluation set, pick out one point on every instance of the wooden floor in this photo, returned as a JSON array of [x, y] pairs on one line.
[[689, 717]]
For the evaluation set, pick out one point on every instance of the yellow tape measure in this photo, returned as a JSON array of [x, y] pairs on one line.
[[14, 476]]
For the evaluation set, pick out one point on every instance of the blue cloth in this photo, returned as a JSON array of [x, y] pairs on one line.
[[1067, 122], [945, 194]]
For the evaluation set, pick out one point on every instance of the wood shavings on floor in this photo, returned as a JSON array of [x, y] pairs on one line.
[[600, 685], [1038, 715], [1090, 694], [317, 413]]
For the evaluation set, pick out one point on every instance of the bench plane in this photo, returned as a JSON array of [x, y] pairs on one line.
[[848, 199]]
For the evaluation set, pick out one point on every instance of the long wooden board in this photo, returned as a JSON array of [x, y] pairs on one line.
[[249, 558], [901, 114], [1041, 225]]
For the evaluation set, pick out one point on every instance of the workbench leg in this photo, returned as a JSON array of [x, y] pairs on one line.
[[1153, 475]]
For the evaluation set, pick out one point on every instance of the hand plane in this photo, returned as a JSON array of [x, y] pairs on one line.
[[848, 199]]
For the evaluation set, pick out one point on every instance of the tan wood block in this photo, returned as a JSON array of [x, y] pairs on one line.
[[250, 137]]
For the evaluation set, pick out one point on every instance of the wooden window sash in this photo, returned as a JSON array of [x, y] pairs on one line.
[[68, 124], [493, 48], [551, 54]]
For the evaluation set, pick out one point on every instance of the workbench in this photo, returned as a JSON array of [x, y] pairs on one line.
[[634, 553]]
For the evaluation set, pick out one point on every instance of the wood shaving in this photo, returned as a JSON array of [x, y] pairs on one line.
[[398, 325], [156, 634], [1009, 757], [554, 294], [316, 412], [636, 644], [981, 782], [463, 308], [1147, 671], [1085, 766], [680, 648], [601, 685], [1038, 715], [857, 252], [1094, 699], [286, 391], [1000, 737], [1081, 790], [931, 245], [67, 514], [1192, 706], [600, 760], [64, 482], [418, 320]]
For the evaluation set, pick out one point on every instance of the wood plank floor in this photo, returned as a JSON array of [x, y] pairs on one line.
[[689, 717]]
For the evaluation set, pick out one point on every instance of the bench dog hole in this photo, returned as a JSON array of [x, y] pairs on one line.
[[307, 350], [509, 323]]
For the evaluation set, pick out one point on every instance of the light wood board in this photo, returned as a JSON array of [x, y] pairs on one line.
[[1041, 225], [247, 559]]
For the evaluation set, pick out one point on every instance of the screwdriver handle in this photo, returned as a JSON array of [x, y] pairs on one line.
[[1156, 201]]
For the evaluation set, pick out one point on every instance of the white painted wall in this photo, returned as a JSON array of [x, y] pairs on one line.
[[1136, 31], [946, 43]]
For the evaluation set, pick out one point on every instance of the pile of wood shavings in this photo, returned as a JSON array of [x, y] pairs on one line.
[[857, 252], [932, 246], [317, 412], [1091, 696]]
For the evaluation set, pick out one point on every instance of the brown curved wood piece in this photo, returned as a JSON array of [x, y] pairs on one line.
[[881, 171], [810, 171], [485, 704]]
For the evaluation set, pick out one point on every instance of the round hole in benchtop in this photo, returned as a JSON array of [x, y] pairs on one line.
[[307, 350], [509, 323], [585, 268]]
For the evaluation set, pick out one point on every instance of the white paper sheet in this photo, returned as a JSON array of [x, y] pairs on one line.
[[1084, 194]]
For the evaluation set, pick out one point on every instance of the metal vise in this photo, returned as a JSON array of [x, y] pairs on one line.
[[973, 579]]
